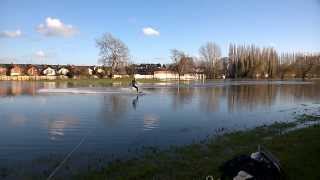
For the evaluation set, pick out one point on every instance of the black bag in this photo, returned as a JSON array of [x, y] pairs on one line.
[[263, 169]]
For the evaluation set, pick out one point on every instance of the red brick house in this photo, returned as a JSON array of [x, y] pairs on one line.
[[16, 71], [33, 71], [3, 71]]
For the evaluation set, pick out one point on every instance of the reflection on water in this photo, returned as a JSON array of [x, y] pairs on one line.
[[57, 126], [135, 102], [113, 108], [181, 97], [17, 120], [15, 88], [36, 124], [150, 121]]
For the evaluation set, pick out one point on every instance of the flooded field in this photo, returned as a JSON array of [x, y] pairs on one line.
[[43, 122]]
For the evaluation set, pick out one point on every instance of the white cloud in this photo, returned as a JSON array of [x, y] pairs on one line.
[[40, 54], [149, 31], [11, 34], [55, 27]]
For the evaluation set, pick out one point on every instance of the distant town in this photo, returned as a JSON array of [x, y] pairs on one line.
[[243, 62]]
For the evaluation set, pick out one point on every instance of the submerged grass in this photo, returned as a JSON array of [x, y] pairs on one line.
[[298, 152], [109, 82], [102, 82], [307, 118]]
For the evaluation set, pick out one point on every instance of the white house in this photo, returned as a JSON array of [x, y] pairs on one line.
[[140, 76], [90, 71], [100, 71], [49, 71], [172, 75], [165, 75], [63, 71]]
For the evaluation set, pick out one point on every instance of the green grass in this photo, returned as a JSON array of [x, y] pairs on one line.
[[109, 82], [298, 152], [102, 82], [307, 118]]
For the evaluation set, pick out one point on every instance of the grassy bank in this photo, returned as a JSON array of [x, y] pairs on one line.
[[102, 82], [298, 151]]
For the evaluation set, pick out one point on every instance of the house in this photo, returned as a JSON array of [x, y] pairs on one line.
[[167, 74], [3, 71], [164, 74], [77, 71], [99, 71], [16, 71], [63, 71], [49, 71], [90, 71], [33, 71], [146, 69]]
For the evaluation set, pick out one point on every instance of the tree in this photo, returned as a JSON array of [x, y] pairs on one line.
[[305, 64], [210, 53], [182, 63], [113, 52], [252, 61]]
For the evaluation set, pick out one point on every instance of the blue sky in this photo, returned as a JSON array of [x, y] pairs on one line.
[[64, 32]]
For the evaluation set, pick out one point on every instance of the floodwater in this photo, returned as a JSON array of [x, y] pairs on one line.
[[42, 122]]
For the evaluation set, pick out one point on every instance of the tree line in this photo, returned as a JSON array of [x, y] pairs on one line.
[[243, 61]]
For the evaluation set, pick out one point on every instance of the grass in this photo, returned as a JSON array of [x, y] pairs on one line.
[[298, 152], [84, 82], [102, 82], [307, 118]]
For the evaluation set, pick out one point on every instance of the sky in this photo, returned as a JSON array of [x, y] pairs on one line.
[[65, 32]]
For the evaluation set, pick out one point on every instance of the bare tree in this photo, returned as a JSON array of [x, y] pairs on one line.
[[252, 61], [210, 53], [113, 52], [182, 63], [304, 64]]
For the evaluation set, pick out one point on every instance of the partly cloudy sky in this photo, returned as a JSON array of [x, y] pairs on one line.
[[64, 32]]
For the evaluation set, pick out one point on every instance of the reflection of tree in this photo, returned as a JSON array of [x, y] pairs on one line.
[[210, 98], [296, 93], [182, 96], [113, 107], [249, 97]]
